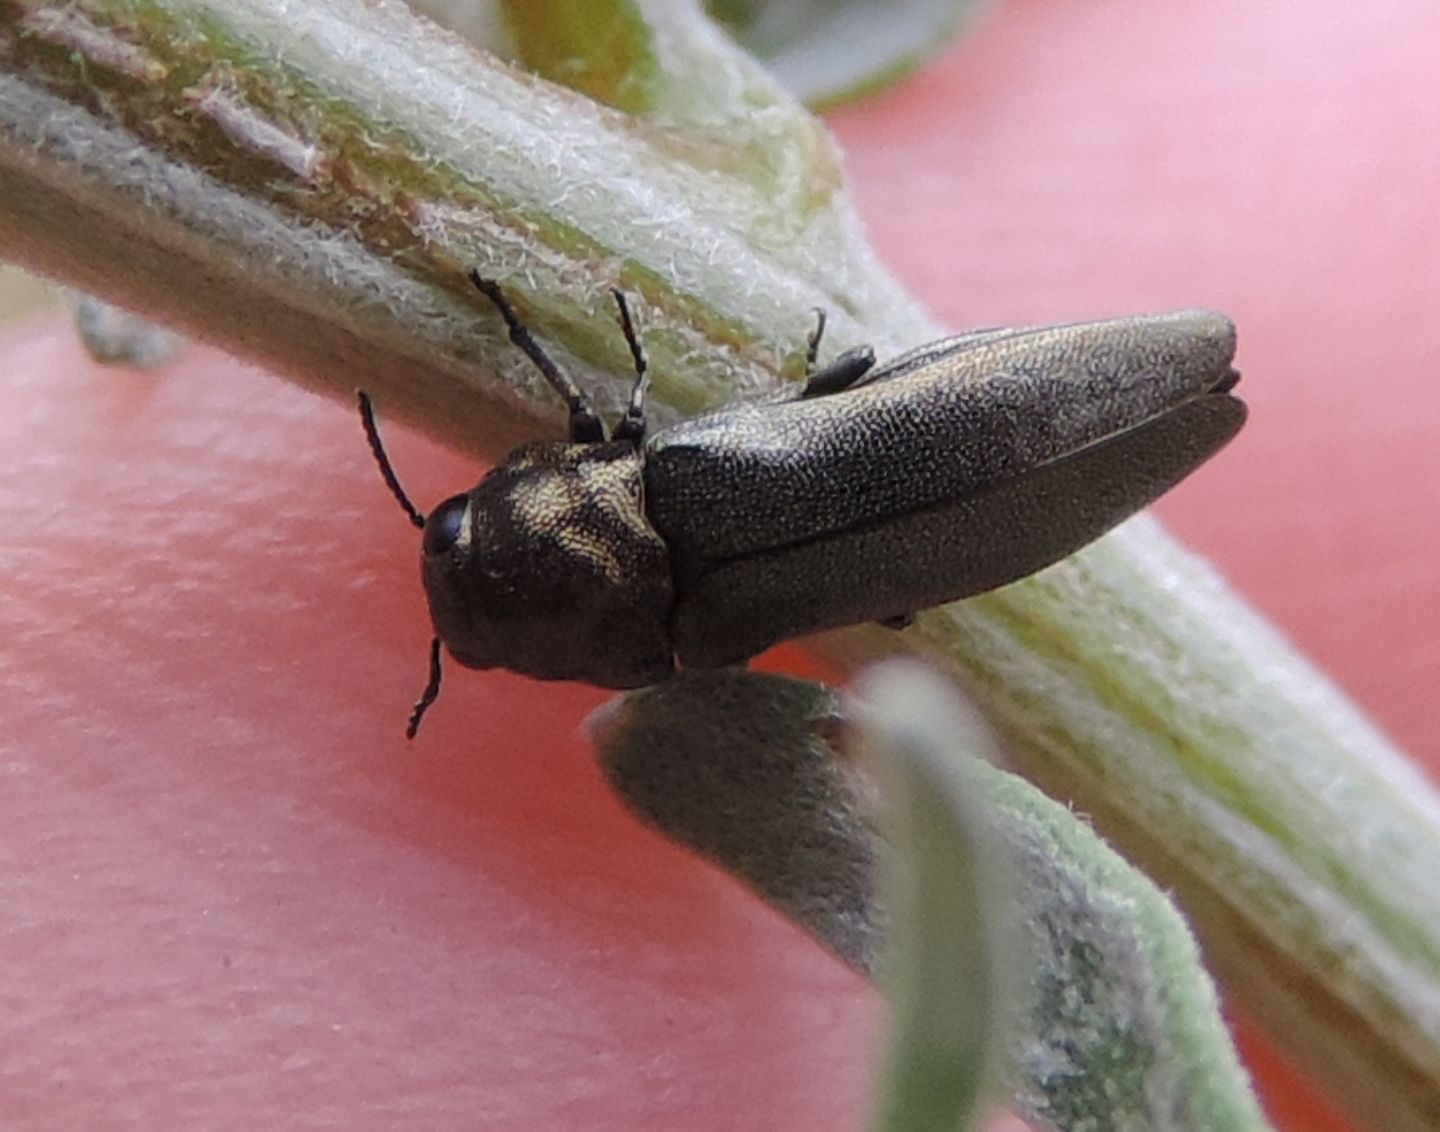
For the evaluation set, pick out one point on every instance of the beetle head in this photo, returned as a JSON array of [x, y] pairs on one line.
[[548, 567]]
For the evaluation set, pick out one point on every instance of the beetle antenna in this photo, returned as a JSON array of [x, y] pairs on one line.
[[429, 695], [585, 425], [632, 424], [372, 434]]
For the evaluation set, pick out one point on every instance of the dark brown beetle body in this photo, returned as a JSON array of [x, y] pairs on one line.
[[871, 493], [951, 471]]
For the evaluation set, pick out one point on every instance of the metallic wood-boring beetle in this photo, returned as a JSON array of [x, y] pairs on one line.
[[872, 492]]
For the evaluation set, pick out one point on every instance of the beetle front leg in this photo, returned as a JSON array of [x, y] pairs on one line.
[[632, 424], [585, 425]]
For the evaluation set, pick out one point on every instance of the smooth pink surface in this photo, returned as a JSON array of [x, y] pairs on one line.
[[234, 898]]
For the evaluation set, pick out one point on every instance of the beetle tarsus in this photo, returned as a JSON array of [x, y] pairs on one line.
[[898, 621], [585, 425]]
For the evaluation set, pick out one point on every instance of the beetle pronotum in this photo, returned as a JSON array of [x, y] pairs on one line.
[[869, 493]]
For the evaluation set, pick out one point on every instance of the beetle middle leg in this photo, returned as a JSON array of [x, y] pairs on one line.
[[812, 343], [839, 374]]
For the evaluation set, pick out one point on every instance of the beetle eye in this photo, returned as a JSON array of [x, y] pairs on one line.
[[442, 528]]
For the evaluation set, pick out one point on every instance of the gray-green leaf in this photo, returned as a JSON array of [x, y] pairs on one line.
[[1121, 1030]]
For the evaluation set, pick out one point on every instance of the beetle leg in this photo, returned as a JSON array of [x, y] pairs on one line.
[[898, 621], [840, 374], [812, 350], [632, 424], [585, 425]]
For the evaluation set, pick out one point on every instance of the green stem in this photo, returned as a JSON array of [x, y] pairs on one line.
[[306, 183], [1304, 848]]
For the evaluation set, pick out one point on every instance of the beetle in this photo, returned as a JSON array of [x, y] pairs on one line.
[[869, 493]]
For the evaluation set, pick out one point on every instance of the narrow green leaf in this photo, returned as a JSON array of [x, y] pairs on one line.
[[601, 48], [953, 971], [832, 51], [114, 336]]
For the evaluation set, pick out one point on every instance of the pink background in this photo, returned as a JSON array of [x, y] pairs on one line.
[[234, 898]]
